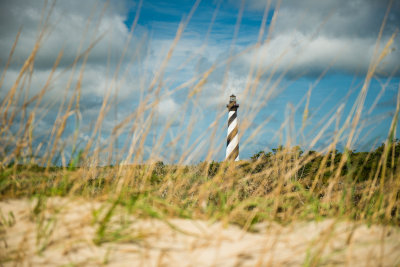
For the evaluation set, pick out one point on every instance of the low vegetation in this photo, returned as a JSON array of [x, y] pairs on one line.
[[283, 185]]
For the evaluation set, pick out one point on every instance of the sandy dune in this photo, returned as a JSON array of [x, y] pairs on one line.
[[65, 234]]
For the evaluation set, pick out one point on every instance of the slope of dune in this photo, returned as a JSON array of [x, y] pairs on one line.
[[65, 231]]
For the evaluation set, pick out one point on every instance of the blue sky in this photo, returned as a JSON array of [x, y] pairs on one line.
[[162, 18], [336, 38]]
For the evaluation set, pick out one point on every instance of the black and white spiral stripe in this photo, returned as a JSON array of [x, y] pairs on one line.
[[232, 142]]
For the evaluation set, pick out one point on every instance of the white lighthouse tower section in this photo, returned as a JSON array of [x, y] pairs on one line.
[[232, 142]]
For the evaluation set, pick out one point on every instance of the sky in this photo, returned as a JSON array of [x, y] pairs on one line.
[[312, 58]]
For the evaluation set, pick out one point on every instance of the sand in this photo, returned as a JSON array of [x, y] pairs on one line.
[[65, 234]]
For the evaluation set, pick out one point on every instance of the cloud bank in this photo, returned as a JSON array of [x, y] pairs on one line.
[[311, 35]]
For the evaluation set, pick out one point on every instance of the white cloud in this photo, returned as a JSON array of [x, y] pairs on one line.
[[298, 53], [168, 109], [71, 23], [312, 35]]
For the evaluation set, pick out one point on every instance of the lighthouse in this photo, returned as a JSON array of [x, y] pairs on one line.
[[232, 140]]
